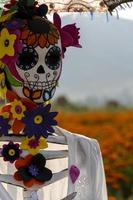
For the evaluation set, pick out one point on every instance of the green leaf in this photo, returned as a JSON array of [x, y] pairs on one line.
[[1, 10], [14, 8], [30, 2], [11, 79]]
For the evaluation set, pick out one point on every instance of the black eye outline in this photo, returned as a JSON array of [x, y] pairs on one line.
[[27, 59], [53, 58]]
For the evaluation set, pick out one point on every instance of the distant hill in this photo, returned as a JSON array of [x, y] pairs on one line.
[[103, 68]]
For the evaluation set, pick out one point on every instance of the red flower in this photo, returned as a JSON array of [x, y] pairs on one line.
[[32, 171], [69, 33]]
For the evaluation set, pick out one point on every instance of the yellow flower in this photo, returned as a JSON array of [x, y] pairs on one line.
[[17, 109], [7, 41], [3, 88], [33, 145]]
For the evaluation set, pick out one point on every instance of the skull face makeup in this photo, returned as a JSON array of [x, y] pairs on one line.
[[39, 63]]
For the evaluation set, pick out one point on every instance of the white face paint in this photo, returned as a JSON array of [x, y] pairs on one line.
[[40, 69]]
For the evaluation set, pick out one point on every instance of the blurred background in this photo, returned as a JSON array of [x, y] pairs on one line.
[[95, 93]]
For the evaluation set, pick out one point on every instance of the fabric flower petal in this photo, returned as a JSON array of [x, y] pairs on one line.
[[42, 41], [32, 182], [17, 176], [24, 173], [17, 126], [57, 21], [31, 40], [25, 34], [67, 39], [23, 162], [50, 129], [74, 32], [4, 126], [45, 174], [11, 96], [39, 159]]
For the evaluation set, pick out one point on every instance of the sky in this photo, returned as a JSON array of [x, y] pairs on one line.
[[103, 68]]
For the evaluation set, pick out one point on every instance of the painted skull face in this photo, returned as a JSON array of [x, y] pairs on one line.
[[39, 63]]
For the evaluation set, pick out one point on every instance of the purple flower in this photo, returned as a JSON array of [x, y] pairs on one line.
[[15, 24], [11, 152], [33, 170], [39, 122], [4, 126]]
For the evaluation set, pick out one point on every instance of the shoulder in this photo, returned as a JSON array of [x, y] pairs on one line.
[[90, 144]]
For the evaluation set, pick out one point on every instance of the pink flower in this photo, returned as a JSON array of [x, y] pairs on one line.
[[69, 33]]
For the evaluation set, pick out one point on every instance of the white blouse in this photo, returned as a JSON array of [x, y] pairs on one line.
[[85, 154]]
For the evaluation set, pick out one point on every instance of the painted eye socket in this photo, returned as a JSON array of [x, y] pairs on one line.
[[27, 59], [53, 58]]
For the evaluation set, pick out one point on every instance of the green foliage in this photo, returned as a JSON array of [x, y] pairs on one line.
[[13, 9], [30, 2], [12, 80]]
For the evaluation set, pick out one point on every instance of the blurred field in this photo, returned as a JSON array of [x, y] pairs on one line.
[[114, 131]]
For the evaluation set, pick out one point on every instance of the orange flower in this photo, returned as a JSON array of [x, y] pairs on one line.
[[24, 163], [32, 170], [112, 198], [114, 132], [48, 37]]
